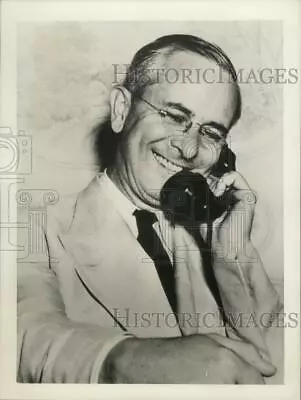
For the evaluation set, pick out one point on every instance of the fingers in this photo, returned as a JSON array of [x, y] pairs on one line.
[[249, 376], [247, 352], [213, 183], [234, 181]]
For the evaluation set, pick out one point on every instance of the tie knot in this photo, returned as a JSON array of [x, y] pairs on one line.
[[145, 218]]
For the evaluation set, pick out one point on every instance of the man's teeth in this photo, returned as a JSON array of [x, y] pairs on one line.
[[167, 164]]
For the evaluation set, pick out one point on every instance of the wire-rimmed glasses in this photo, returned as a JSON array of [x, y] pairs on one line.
[[181, 123]]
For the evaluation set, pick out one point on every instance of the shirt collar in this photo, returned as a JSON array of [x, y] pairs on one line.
[[123, 205]]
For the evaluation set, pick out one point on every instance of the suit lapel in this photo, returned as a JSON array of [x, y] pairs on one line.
[[114, 267]]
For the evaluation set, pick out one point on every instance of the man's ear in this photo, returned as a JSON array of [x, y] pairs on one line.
[[120, 105]]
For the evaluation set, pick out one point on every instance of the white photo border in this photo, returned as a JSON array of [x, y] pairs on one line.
[[13, 12]]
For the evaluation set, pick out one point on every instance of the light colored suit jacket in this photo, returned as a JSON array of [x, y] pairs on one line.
[[97, 287]]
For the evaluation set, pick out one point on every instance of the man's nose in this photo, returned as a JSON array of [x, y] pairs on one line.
[[186, 145]]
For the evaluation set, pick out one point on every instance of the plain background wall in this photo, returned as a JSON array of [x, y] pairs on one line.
[[65, 74]]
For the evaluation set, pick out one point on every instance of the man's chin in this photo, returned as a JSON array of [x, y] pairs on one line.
[[151, 194], [150, 202], [151, 197]]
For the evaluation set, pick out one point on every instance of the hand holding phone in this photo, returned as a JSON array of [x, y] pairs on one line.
[[188, 197]]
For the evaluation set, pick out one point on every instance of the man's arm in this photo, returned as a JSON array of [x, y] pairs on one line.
[[252, 306], [243, 276], [51, 347], [249, 298], [203, 359]]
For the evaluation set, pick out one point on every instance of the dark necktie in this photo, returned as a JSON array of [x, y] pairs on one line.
[[152, 245]]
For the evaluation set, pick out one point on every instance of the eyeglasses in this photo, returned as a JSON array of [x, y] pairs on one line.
[[181, 123]]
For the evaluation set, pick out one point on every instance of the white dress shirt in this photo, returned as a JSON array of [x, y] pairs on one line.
[[126, 209]]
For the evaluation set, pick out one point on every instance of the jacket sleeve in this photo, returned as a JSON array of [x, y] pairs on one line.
[[250, 301], [51, 347]]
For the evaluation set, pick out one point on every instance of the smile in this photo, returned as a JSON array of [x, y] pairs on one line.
[[166, 163]]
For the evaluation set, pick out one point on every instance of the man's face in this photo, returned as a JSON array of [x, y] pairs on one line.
[[151, 152]]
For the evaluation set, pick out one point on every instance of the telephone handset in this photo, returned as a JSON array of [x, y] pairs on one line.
[[186, 196]]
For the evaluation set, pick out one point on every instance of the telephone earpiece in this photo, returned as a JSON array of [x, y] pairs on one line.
[[226, 162]]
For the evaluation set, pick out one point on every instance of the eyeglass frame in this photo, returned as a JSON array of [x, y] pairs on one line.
[[164, 113]]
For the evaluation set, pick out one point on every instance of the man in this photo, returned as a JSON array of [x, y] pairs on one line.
[[82, 316]]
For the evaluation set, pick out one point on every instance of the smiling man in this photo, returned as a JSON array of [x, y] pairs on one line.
[[118, 268]]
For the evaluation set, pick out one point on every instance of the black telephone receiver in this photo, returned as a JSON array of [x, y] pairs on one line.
[[186, 196]]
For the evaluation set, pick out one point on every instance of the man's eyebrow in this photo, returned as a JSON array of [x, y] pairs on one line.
[[218, 126], [179, 107]]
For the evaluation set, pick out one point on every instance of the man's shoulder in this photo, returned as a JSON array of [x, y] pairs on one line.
[[62, 214]]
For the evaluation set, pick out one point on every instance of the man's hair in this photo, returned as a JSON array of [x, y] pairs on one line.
[[167, 46], [106, 141]]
